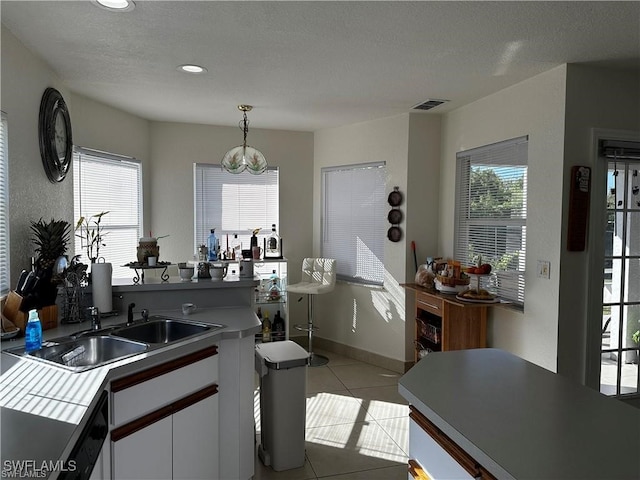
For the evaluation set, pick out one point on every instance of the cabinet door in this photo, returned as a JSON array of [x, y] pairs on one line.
[[195, 441], [145, 454]]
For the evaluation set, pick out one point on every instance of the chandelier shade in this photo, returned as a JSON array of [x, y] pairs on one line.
[[244, 157]]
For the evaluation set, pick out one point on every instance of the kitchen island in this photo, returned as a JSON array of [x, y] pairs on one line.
[[44, 408], [485, 413]]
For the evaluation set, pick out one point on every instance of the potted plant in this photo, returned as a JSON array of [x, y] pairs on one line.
[[51, 239], [148, 247], [91, 233]]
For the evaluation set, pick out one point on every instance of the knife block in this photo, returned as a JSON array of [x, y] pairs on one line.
[[48, 315]]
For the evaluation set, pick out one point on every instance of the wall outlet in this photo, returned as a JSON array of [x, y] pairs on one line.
[[544, 269]]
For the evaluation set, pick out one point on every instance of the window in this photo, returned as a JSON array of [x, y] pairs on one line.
[[233, 203], [354, 221], [106, 182], [4, 207], [491, 213]]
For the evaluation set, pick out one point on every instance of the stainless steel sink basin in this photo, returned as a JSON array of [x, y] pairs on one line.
[[89, 352], [162, 330], [93, 348]]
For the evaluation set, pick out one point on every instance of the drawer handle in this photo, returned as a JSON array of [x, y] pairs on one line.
[[435, 307], [416, 471]]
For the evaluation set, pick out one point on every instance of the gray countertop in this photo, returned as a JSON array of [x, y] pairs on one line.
[[43, 406], [521, 421]]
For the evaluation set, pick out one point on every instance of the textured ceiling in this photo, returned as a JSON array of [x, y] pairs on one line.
[[312, 65]]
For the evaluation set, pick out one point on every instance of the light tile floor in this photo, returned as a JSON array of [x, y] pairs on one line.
[[357, 424]]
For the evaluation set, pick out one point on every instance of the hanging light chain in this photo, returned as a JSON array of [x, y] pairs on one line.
[[244, 126]]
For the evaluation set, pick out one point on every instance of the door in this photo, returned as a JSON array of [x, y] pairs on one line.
[[195, 441], [619, 258], [145, 454]]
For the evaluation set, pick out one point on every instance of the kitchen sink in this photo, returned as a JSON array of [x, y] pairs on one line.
[[163, 330], [89, 352], [93, 348]]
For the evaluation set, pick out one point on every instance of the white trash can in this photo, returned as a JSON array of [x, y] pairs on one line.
[[282, 367]]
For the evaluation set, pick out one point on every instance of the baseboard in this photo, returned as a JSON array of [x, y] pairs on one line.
[[355, 353]]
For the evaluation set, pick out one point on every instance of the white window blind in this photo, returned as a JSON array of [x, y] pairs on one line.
[[491, 213], [233, 204], [104, 182], [4, 207], [354, 220]]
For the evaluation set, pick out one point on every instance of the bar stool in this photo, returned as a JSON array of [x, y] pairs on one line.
[[318, 277]]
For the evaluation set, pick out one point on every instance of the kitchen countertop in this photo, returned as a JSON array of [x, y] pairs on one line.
[[521, 421], [43, 406]]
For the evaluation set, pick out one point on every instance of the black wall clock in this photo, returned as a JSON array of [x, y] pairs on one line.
[[54, 132]]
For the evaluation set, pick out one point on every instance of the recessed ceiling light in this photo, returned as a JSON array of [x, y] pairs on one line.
[[115, 5], [189, 68]]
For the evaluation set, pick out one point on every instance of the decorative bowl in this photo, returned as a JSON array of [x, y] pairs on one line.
[[186, 273]]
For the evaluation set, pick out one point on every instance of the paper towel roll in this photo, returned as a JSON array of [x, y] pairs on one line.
[[101, 286]]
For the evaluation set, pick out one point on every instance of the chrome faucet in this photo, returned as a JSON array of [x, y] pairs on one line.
[[95, 318], [145, 315]]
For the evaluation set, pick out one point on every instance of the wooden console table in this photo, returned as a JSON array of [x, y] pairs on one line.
[[444, 323]]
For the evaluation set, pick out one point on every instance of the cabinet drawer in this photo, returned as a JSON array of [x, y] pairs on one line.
[[436, 453], [429, 460], [150, 389], [430, 303]]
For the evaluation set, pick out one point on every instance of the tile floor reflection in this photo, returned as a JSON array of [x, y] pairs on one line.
[[357, 424]]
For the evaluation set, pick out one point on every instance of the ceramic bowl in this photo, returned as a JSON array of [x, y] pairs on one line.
[[186, 273]]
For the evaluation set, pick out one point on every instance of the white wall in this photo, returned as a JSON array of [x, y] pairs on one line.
[[370, 318], [108, 129], [31, 195], [422, 206], [175, 147], [534, 107], [604, 100]]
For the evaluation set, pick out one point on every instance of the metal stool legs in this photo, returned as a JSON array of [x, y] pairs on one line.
[[315, 360]]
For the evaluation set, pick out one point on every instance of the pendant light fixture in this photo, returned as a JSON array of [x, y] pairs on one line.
[[244, 157]]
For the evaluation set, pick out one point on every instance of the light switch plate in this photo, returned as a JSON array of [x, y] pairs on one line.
[[544, 269]]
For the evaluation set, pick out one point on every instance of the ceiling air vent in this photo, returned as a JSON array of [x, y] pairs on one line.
[[429, 104]]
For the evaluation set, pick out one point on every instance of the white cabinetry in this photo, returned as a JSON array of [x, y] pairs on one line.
[[267, 302], [165, 420], [434, 456], [195, 441], [145, 454]]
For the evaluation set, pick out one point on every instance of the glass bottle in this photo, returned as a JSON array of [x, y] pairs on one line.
[[273, 247], [278, 327], [266, 327], [274, 277], [274, 291], [214, 246]]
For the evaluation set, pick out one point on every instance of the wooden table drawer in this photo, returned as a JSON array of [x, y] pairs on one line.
[[430, 303]]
